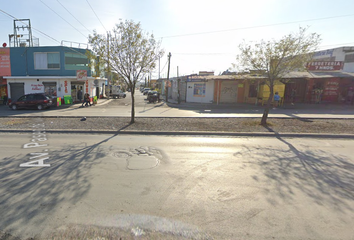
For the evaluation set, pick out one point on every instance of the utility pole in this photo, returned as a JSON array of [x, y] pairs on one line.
[[159, 67], [168, 75], [109, 68], [178, 91]]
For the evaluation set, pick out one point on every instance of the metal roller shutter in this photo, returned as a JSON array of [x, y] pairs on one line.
[[17, 90], [228, 92]]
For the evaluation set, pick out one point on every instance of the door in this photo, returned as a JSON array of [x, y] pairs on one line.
[[17, 90], [228, 92]]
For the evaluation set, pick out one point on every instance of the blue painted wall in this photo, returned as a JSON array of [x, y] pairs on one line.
[[22, 61]]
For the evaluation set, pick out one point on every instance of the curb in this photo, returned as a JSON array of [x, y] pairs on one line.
[[269, 117], [195, 133]]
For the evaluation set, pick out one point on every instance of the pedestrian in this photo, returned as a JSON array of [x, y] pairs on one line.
[[5, 100], [276, 100], [79, 95], [88, 100], [85, 100]]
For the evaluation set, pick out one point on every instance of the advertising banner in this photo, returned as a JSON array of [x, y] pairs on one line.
[[199, 90], [325, 66], [81, 75], [5, 65]]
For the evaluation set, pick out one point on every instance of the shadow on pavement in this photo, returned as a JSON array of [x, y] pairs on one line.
[[325, 178], [28, 196]]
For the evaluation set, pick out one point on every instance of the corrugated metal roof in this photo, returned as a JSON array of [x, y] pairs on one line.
[[332, 74]]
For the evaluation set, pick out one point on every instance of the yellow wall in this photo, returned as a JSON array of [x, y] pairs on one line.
[[264, 90]]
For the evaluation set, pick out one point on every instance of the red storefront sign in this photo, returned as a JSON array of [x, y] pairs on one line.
[[66, 86], [331, 90], [325, 66], [81, 75], [5, 65]]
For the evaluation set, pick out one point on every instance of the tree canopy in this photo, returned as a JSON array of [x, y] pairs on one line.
[[276, 58], [127, 51]]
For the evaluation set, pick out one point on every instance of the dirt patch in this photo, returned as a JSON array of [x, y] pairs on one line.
[[333, 126]]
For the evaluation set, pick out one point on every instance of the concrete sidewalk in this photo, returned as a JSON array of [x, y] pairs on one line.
[[187, 110]]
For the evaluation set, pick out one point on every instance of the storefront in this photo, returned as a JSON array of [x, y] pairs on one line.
[[54, 86], [200, 91]]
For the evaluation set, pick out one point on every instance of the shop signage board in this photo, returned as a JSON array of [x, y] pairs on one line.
[[5, 65], [81, 75], [325, 66]]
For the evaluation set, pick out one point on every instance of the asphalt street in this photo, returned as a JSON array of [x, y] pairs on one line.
[[197, 187], [122, 108]]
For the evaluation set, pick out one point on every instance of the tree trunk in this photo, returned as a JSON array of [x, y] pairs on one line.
[[268, 106], [132, 118]]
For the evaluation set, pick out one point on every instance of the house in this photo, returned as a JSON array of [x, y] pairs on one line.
[[58, 71]]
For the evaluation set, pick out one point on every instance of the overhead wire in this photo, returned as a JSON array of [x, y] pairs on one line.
[[259, 26], [96, 15], [74, 16], [9, 15], [41, 32], [164, 67], [64, 19]]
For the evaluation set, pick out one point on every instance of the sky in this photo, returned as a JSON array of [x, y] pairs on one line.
[[201, 35]]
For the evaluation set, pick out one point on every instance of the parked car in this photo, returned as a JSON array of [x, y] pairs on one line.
[[33, 100], [146, 90], [153, 96]]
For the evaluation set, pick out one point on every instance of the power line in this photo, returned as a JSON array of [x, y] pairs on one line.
[[9, 15], [204, 54], [73, 16], [63, 19], [259, 26], [37, 30], [96, 15], [163, 67]]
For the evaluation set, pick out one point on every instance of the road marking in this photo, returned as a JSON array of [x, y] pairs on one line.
[[38, 137]]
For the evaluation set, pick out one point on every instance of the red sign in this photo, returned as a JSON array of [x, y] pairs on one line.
[[325, 66], [81, 75], [66, 86], [37, 87], [5, 66]]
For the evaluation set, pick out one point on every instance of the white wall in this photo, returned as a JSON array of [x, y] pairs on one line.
[[209, 92], [348, 67], [34, 86]]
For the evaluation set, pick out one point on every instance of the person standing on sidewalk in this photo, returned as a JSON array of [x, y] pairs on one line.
[[79, 95], [276, 100], [88, 100], [85, 100]]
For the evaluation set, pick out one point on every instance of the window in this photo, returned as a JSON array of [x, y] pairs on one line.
[[46, 60], [76, 61], [252, 91], [349, 58]]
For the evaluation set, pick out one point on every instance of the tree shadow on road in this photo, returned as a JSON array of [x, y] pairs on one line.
[[28, 196], [324, 177]]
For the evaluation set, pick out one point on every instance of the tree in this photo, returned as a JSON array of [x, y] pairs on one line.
[[129, 52], [277, 58]]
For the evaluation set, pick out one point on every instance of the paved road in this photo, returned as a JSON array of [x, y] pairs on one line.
[[122, 108], [224, 188]]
